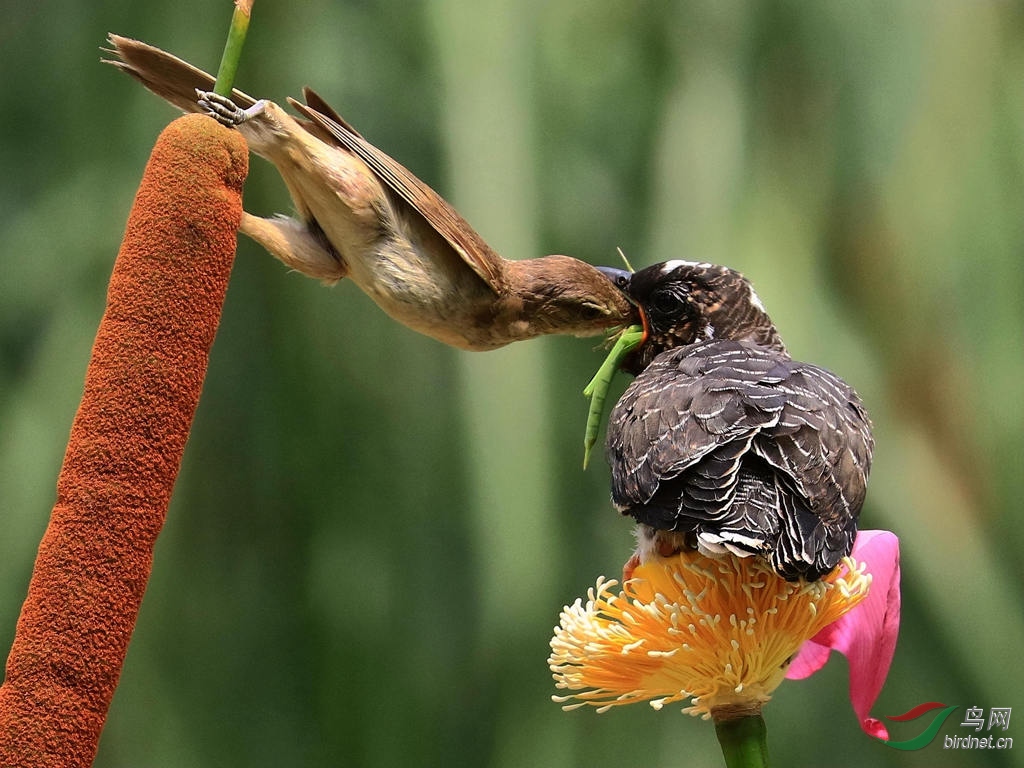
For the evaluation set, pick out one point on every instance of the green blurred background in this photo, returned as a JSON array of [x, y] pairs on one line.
[[372, 534]]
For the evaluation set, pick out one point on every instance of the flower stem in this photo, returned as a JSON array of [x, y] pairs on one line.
[[743, 737]]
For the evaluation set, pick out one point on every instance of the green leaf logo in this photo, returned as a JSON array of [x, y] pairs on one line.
[[924, 738]]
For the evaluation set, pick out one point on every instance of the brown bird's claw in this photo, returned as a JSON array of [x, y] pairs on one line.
[[224, 110]]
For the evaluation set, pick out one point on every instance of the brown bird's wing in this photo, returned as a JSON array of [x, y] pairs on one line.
[[437, 212], [315, 102]]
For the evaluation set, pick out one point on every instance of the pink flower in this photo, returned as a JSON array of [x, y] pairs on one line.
[[866, 635]]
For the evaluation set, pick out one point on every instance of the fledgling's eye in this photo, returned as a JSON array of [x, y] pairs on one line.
[[668, 301]]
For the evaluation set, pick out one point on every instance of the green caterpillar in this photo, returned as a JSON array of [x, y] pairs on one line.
[[597, 389]]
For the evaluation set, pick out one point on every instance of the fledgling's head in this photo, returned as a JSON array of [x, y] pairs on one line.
[[685, 302]]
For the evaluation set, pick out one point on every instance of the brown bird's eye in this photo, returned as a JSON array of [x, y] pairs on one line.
[[592, 311]]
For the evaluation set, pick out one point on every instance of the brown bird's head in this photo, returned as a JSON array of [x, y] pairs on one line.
[[685, 302], [562, 295]]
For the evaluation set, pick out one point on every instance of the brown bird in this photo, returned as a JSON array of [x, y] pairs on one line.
[[362, 215]]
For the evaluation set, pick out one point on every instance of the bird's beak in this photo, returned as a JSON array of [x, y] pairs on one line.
[[619, 277]]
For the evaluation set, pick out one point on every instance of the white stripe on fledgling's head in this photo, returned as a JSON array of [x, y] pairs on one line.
[[755, 301], [674, 264]]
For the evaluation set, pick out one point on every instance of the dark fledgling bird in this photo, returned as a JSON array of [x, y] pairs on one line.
[[361, 215], [723, 442]]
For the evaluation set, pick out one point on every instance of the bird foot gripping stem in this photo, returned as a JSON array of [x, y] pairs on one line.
[[224, 110]]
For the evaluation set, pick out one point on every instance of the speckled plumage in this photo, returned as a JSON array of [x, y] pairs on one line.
[[724, 442]]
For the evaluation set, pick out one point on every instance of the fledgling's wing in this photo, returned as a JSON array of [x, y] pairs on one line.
[[694, 410], [743, 446], [822, 441]]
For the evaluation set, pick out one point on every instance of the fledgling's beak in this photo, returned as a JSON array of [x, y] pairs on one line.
[[620, 277]]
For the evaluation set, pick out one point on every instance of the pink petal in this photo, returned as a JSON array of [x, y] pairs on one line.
[[867, 634], [809, 660]]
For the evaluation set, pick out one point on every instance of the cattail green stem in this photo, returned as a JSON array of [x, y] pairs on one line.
[[233, 48]]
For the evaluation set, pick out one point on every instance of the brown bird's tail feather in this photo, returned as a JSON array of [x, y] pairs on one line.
[[166, 75]]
